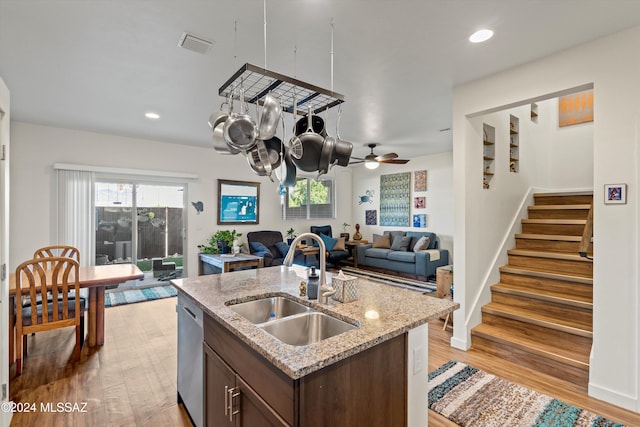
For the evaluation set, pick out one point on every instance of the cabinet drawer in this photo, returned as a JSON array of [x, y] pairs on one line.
[[271, 384]]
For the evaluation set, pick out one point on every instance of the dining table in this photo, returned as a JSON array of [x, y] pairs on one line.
[[95, 278]]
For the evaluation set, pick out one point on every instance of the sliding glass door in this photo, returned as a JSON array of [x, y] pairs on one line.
[[141, 223]]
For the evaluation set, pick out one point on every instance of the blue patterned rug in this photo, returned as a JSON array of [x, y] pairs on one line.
[[473, 398], [131, 296]]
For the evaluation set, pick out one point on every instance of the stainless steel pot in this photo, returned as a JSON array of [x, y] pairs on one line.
[[271, 113], [326, 155], [240, 129], [312, 143], [263, 162], [216, 123]]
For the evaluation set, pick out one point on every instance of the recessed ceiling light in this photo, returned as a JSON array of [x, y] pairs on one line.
[[151, 115], [481, 36]]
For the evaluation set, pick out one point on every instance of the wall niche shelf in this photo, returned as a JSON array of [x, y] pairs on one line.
[[257, 82], [488, 154], [514, 144], [534, 113]]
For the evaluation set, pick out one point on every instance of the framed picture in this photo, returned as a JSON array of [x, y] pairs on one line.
[[420, 221], [615, 194], [419, 202], [371, 217], [238, 202], [420, 181]]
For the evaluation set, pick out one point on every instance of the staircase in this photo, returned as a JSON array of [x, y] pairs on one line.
[[541, 311]]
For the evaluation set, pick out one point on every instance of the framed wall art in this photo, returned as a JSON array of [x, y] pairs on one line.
[[615, 194], [238, 202], [419, 202], [371, 217], [420, 181], [420, 221], [395, 199]]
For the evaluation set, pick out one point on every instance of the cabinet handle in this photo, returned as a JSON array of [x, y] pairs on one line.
[[232, 394], [226, 400]]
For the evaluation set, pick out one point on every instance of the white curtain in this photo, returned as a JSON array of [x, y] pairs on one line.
[[76, 212]]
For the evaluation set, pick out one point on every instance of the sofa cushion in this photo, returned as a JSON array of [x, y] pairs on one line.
[[382, 241], [377, 253], [433, 240], [329, 242], [401, 243], [282, 247], [422, 243], [402, 256], [396, 235], [339, 246], [259, 247]]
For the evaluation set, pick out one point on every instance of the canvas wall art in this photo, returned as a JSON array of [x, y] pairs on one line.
[[420, 220], [371, 217], [420, 181], [395, 199], [419, 202], [575, 108]]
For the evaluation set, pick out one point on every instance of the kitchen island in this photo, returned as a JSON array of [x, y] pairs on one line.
[[374, 374]]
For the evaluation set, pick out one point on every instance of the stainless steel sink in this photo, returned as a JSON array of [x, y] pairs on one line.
[[266, 309], [307, 328]]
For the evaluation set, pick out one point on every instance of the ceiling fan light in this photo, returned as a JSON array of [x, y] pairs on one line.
[[371, 164]]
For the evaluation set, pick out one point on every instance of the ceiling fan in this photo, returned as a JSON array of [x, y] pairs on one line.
[[372, 160]]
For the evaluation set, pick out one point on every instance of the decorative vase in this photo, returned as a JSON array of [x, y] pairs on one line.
[[357, 236], [224, 247]]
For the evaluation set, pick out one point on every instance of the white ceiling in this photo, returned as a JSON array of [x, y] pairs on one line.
[[99, 65]]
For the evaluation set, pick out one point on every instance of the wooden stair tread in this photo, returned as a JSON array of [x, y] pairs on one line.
[[558, 207], [546, 254], [559, 221], [557, 297], [559, 237], [546, 274], [568, 193], [567, 355], [560, 323]]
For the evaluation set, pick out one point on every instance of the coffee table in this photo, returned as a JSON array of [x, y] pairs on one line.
[[226, 263]]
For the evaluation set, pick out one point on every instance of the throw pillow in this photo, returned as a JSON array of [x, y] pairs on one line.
[[282, 247], [329, 242], [339, 246], [259, 247], [396, 235], [422, 244], [383, 242], [401, 243]]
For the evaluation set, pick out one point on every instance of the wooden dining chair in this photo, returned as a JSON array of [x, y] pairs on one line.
[[35, 280], [58, 251]]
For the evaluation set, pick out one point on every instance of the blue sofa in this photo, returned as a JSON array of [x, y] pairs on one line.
[[417, 263]]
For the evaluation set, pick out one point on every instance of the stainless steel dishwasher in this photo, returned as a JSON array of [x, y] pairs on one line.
[[190, 369]]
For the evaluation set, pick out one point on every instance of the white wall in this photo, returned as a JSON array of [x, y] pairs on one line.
[[36, 148], [439, 196], [606, 64]]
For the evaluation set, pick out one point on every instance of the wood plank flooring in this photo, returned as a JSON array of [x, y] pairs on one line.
[[131, 381]]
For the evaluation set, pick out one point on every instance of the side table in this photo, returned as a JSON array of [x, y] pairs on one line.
[[444, 280], [352, 246]]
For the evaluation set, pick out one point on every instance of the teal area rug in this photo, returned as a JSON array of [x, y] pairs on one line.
[[131, 296], [473, 398]]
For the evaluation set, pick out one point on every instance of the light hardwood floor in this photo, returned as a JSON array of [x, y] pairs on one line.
[[131, 380]]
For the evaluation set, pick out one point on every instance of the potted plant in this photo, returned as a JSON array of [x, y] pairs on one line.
[[291, 234], [345, 231], [220, 242]]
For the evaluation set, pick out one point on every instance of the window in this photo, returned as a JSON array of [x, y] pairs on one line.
[[310, 199]]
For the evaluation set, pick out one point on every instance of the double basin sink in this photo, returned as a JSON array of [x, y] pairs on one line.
[[289, 321]]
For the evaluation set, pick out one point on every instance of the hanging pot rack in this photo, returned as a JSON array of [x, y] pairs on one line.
[[258, 81]]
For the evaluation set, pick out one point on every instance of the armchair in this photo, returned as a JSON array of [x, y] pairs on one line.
[[334, 255], [271, 247]]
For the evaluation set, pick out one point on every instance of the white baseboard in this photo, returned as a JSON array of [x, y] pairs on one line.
[[459, 344], [615, 398]]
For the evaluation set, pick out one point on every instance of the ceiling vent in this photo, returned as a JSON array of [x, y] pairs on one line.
[[194, 43]]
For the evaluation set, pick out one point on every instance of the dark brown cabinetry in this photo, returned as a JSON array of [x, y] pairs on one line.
[[230, 401], [366, 389]]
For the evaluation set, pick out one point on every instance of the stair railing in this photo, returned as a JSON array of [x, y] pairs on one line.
[[587, 234]]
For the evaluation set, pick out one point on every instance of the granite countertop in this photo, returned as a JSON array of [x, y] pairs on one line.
[[381, 313]]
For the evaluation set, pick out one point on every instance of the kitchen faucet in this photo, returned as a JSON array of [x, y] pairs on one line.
[[288, 260]]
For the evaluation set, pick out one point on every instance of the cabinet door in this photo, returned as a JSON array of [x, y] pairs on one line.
[[254, 411], [219, 378]]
